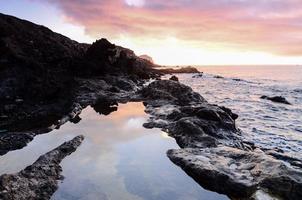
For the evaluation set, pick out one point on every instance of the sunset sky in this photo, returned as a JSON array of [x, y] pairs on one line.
[[178, 32]]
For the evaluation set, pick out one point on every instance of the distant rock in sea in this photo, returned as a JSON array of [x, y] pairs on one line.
[[277, 99], [181, 70], [217, 76]]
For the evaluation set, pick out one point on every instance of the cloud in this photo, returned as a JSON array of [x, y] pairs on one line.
[[273, 26]]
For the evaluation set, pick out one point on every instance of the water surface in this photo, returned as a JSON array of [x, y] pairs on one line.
[[119, 159]]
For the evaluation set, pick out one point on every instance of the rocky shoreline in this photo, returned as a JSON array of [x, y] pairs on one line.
[[214, 152]]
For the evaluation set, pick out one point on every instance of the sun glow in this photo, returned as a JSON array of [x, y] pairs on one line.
[[171, 51]]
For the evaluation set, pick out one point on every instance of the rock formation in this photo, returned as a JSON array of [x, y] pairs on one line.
[[39, 180]]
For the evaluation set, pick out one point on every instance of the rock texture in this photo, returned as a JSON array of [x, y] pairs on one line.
[[238, 173], [39, 180], [188, 117]]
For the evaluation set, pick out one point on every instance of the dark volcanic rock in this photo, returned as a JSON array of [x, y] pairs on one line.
[[173, 78], [42, 77], [277, 99], [238, 173], [188, 117], [39, 180], [217, 76], [179, 70], [199, 75]]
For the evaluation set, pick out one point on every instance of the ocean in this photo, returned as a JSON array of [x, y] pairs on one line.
[[267, 124]]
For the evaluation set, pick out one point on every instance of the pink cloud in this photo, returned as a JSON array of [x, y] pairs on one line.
[[273, 26]]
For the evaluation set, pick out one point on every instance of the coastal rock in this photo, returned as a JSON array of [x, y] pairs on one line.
[[171, 90], [214, 151], [238, 173], [217, 76], [39, 180], [199, 75], [45, 74], [277, 99], [188, 117], [181, 70], [173, 78]]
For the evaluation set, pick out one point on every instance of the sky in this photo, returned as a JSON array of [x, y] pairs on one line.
[[178, 32]]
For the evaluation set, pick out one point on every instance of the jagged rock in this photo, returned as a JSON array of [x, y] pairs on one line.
[[173, 78], [39, 180], [277, 99], [238, 173], [172, 91]]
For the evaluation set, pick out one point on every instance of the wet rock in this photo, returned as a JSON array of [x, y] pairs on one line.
[[173, 78], [105, 106], [277, 99], [217, 76], [189, 118], [172, 91], [238, 173], [11, 141], [39, 180], [199, 75]]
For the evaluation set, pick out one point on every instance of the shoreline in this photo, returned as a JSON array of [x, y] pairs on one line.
[[210, 143]]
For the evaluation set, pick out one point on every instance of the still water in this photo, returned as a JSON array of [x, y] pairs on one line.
[[118, 160]]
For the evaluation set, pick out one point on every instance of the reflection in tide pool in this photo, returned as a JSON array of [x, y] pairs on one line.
[[118, 159]]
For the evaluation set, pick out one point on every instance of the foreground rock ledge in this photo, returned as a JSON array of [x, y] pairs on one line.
[[39, 180], [238, 173]]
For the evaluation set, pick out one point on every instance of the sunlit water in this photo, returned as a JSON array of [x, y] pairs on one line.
[[268, 124], [118, 160]]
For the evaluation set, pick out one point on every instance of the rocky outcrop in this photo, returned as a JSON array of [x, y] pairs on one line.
[[277, 99], [173, 78], [181, 70], [45, 78], [39, 180], [188, 117], [214, 151]]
